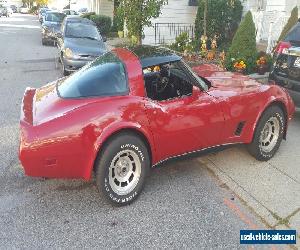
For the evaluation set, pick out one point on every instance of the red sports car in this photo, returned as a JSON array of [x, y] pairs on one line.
[[133, 108]]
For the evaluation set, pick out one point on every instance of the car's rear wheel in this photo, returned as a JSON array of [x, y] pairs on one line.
[[268, 134], [121, 168]]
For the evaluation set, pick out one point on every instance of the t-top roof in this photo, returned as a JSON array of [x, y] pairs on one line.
[[154, 55]]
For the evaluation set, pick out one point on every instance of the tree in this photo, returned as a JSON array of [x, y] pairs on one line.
[[290, 23], [28, 3], [243, 45], [138, 14], [221, 17]]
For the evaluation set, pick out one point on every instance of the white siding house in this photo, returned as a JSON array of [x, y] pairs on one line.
[[176, 12], [270, 16], [103, 7]]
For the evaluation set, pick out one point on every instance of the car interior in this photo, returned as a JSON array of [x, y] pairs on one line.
[[167, 81]]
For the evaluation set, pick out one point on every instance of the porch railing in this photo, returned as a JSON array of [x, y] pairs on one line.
[[165, 33]]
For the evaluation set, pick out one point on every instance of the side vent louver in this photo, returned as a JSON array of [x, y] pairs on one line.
[[239, 128]]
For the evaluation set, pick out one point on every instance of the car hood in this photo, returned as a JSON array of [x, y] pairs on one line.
[[226, 84], [85, 46]]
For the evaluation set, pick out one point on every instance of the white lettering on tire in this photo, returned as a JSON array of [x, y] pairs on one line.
[[136, 148]]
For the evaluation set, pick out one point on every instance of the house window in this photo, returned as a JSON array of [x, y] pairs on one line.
[[193, 3]]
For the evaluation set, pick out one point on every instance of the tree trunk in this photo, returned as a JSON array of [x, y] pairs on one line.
[[205, 18]]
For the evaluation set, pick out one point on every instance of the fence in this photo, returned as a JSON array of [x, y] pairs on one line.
[[165, 33]]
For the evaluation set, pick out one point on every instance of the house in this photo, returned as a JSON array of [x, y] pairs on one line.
[[17, 3], [102, 7], [270, 16], [179, 15], [176, 17]]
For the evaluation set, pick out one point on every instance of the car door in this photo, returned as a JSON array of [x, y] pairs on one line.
[[185, 124]]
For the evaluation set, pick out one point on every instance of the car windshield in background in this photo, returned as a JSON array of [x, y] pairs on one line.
[[55, 17], [82, 30], [104, 77], [294, 34], [42, 11]]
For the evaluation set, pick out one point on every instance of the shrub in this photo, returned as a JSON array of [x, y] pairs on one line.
[[103, 23], [88, 15], [243, 46], [33, 10], [182, 43], [290, 23], [118, 19], [223, 18]]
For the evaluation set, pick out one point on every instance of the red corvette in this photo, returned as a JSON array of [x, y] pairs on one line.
[[132, 109]]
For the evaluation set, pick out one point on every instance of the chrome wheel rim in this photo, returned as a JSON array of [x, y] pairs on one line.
[[270, 134], [124, 172]]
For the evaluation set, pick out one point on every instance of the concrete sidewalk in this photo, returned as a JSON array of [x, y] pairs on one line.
[[271, 189]]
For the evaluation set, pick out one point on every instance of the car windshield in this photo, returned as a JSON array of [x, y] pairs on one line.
[[82, 30], [294, 34], [55, 17], [44, 10], [106, 76], [199, 80]]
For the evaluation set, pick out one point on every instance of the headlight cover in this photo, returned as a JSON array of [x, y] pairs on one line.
[[70, 54]]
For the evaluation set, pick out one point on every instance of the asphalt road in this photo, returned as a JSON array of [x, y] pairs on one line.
[[183, 204]]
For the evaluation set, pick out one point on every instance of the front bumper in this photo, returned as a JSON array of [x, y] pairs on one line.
[[72, 65]]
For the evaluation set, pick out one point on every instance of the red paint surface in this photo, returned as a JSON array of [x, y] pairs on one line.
[[61, 138]]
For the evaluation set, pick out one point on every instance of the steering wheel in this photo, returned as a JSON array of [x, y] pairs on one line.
[[162, 84]]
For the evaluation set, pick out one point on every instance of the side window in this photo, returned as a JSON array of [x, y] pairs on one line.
[[167, 81]]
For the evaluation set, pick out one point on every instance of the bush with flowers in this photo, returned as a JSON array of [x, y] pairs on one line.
[[263, 63], [239, 65], [183, 43]]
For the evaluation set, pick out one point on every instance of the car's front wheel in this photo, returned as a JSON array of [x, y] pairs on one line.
[[268, 134], [121, 168], [44, 42]]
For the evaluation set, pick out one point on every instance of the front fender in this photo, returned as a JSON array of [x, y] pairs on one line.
[[276, 97]]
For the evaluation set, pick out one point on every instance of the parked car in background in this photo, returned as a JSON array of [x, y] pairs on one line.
[[134, 108], [24, 10], [286, 68], [79, 43], [14, 8], [42, 13], [69, 12], [6, 11], [82, 11], [51, 26]]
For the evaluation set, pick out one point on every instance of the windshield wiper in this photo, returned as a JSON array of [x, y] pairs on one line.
[[88, 37], [85, 37]]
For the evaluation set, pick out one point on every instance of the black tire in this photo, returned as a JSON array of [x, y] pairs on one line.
[[107, 174], [272, 118], [63, 68]]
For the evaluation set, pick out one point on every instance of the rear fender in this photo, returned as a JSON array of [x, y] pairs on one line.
[[111, 130]]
